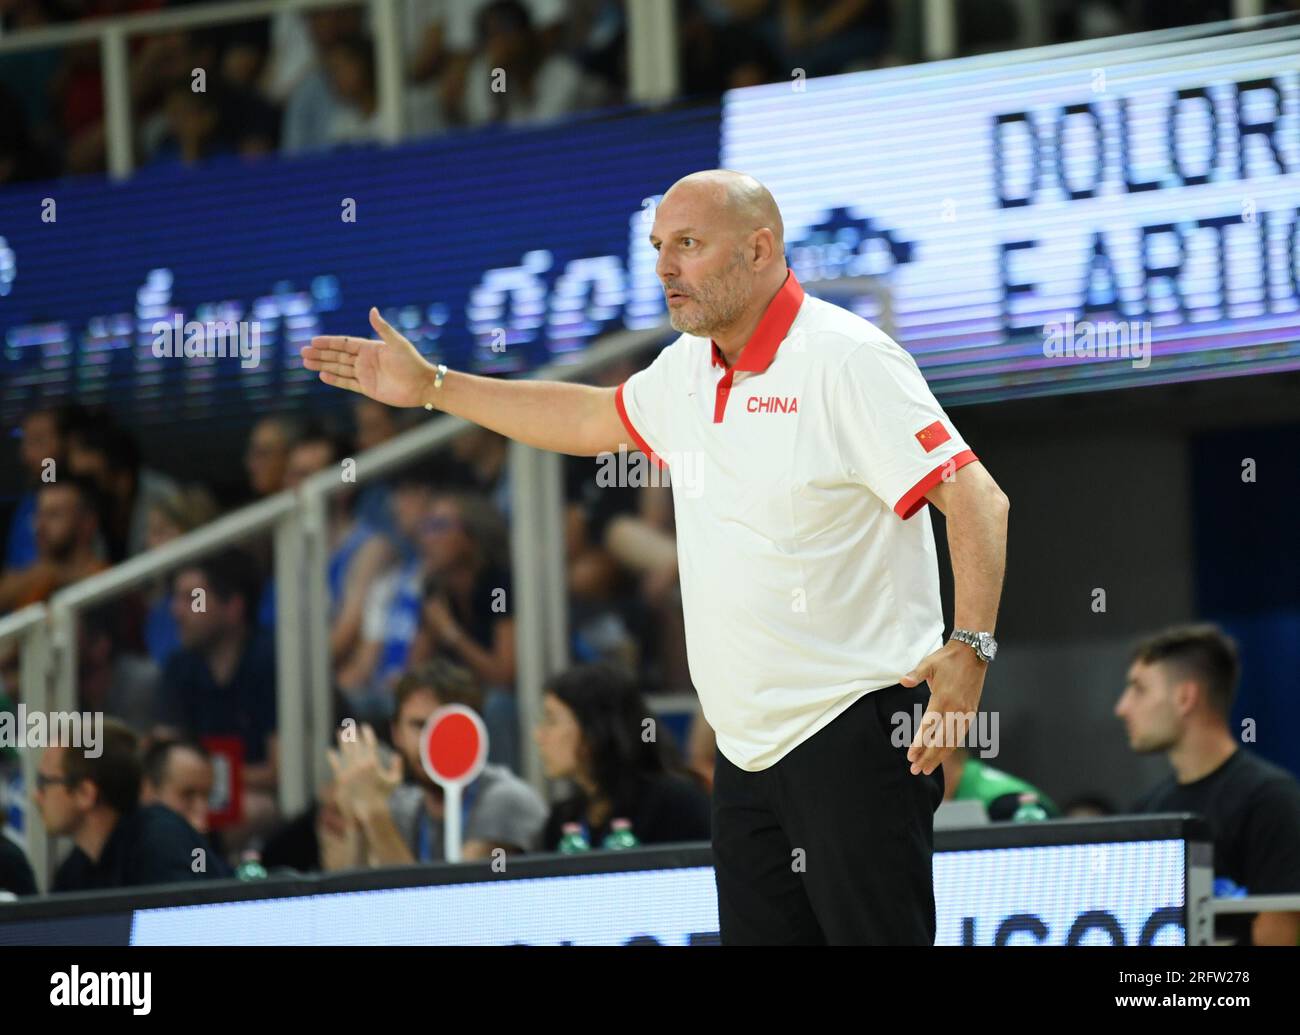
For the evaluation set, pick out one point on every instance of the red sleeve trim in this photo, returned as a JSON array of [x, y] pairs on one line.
[[914, 499], [641, 443]]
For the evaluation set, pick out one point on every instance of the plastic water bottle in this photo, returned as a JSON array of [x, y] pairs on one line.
[[620, 835], [1029, 811], [574, 839], [250, 867]]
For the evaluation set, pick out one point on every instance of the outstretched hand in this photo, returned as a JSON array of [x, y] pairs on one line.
[[388, 370]]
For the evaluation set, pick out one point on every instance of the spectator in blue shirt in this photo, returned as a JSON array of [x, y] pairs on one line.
[[171, 515]]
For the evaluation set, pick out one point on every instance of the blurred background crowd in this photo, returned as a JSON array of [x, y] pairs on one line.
[[306, 81], [419, 577], [419, 596], [419, 565]]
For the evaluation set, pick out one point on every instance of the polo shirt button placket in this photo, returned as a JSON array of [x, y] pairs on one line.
[[724, 389]]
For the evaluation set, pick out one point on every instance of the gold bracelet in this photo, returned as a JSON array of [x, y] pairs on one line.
[[439, 372]]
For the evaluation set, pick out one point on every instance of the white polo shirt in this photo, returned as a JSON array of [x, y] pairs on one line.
[[808, 567]]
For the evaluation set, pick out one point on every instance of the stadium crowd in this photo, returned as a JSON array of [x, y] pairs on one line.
[[302, 82], [418, 578]]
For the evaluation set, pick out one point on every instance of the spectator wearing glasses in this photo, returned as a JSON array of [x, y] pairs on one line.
[[118, 843]]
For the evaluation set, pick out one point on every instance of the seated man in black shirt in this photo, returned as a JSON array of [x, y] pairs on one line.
[[221, 682], [118, 843], [179, 774], [1178, 699]]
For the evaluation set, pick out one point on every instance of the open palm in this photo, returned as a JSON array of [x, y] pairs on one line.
[[388, 370]]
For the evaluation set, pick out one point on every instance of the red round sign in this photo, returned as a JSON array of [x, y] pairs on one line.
[[453, 745]]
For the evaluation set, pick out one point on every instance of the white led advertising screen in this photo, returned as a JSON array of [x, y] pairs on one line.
[[1123, 893], [1060, 220]]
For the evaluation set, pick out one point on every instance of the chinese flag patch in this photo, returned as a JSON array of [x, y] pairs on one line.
[[932, 436]]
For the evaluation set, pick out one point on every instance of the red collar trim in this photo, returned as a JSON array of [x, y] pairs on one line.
[[759, 351]]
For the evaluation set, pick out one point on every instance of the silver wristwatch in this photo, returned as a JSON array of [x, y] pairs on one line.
[[983, 643]]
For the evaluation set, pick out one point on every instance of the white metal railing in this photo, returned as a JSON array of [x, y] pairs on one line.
[[1258, 904], [653, 72], [1204, 908]]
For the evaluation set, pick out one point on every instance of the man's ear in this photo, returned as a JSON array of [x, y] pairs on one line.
[[762, 245], [1187, 695], [86, 794]]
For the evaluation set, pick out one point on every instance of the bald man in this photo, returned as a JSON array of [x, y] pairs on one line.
[[809, 575]]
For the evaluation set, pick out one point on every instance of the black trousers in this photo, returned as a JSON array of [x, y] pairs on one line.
[[832, 845]]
